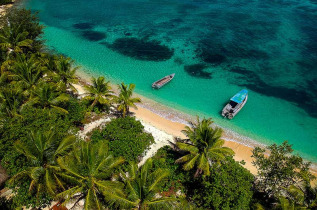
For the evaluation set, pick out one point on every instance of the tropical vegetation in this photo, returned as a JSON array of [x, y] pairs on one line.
[[99, 93], [142, 188], [42, 113], [126, 138], [125, 99], [89, 169], [204, 147]]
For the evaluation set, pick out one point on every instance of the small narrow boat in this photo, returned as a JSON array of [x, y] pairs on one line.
[[235, 105], [160, 83]]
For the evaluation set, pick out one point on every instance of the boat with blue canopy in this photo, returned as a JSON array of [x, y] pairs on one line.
[[235, 105]]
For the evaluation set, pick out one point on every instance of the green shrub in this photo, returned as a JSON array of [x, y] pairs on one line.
[[27, 22], [76, 111], [17, 128], [24, 198], [228, 187], [165, 158], [126, 138]]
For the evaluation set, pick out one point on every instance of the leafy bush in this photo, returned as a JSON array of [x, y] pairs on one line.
[[27, 22], [165, 158], [227, 187], [126, 138], [24, 198], [17, 128], [76, 110]]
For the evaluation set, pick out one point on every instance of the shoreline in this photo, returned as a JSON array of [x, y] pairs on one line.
[[242, 152], [172, 121]]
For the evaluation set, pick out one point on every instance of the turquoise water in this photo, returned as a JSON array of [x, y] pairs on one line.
[[216, 48]]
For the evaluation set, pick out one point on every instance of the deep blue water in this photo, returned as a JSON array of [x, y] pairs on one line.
[[215, 48]]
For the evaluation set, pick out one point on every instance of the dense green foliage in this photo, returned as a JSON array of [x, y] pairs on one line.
[[42, 150], [125, 99], [228, 187], [142, 186], [89, 169], [25, 21], [204, 147], [39, 115], [165, 158], [281, 169], [282, 177], [99, 93], [126, 138]]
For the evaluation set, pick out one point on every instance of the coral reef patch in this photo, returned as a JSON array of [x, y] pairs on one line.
[[93, 35], [83, 26], [142, 49], [197, 70], [304, 98]]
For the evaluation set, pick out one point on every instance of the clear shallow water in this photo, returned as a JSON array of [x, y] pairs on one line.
[[215, 48]]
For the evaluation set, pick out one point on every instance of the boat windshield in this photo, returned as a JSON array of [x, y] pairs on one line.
[[233, 104]]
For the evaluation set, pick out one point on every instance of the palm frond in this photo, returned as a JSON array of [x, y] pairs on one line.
[[191, 163], [162, 203], [187, 147], [157, 176], [65, 145]]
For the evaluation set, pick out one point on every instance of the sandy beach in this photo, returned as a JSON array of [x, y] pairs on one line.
[[242, 152], [170, 123]]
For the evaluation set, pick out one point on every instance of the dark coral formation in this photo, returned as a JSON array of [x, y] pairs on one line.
[[93, 35], [142, 49], [209, 56], [83, 26], [197, 70], [305, 98]]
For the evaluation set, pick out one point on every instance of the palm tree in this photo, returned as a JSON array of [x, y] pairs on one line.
[[42, 149], [204, 147], [47, 97], [125, 99], [90, 169], [12, 40], [11, 102], [142, 189], [65, 74], [48, 60], [27, 72], [99, 92]]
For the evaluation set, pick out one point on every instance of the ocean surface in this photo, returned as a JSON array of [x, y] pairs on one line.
[[216, 48]]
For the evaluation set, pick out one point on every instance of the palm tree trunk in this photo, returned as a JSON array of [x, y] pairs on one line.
[[198, 172], [128, 110], [93, 103]]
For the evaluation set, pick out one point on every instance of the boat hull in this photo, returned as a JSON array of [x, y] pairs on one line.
[[161, 82], [230, 112]]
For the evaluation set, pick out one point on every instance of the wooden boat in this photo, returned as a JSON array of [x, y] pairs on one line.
[[160, 83], [235, 105]]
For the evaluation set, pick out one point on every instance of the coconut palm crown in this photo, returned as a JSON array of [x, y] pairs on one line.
[[204, 147], [65, 74], [11, 102], [42, 149], [125, 100], [142, 189], [12, 40], [90, 169], [47, 97], [99, 92], [27, 73]]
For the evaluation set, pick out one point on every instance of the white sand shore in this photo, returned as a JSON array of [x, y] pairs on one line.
[[163, 131]]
